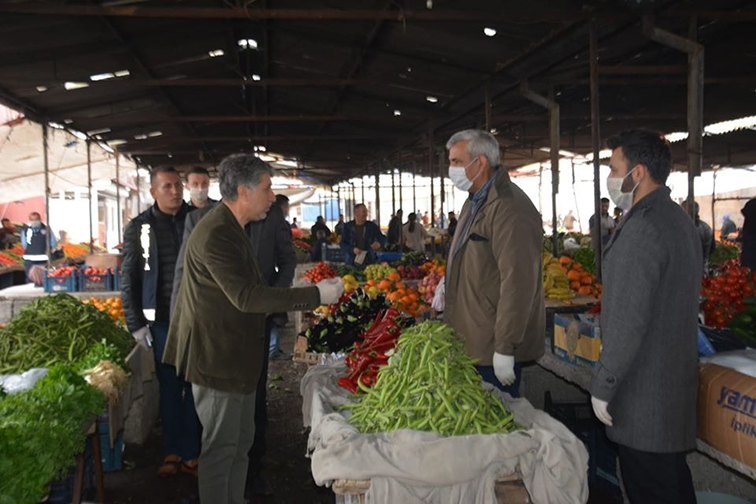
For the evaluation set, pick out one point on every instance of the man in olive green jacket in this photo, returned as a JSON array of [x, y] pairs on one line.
[[216, 337], [494, 284]]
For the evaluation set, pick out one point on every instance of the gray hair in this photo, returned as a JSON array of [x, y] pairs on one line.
[[240, 169], [479, 142]]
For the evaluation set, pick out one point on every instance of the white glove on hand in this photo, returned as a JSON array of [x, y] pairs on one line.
[[330, 290], [143, 337], [601, 409], [439, 298], [504, 368]]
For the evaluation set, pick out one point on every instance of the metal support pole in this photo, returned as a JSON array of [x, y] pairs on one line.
[[118, 193], [430, 172], [47, 191], [487, 98], [401, 192], [393, 191], [713, 198], [338, 198], [695, 52], [362, 187], [595, 140], [441, 156], [377, 176], [89, 189], [553, 150], [414, 187]]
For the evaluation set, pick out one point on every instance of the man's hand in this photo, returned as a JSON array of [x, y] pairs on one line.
[[504, 368], [601, 409], [357, 251], [330, 290], [376, 246], [143, 337]]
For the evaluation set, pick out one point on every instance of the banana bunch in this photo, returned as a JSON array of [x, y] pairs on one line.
[[556, 285]]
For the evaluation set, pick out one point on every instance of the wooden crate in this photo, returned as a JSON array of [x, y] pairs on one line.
[[302, 355], [509, 490]]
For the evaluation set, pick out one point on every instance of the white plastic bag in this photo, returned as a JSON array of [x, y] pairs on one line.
[[439, 299], [19, 382]]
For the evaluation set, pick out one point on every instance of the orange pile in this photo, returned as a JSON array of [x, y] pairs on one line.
[[403, 298], [112, 306], [581, 281]]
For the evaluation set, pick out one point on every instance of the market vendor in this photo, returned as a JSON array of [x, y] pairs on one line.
[[362, 239], [7, 234], [644, 386], [151, 243], [34, 243], [216, 337], [494, 278]]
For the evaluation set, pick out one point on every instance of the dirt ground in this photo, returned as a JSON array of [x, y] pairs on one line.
[[287, 467]]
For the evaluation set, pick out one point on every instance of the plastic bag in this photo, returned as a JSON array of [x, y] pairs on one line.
[[439, 299], [19, 382]]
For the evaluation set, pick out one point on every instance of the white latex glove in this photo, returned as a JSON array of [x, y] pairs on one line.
[[601, 409], [439, 298], [143, 337], [330, 290], [504, 368]]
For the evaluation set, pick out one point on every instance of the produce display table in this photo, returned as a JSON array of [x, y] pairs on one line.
[[13, 299], [582, 378], [580, 303], [8, 275]]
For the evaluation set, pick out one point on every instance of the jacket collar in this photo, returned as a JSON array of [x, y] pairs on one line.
[[652, 199], [156, 213]]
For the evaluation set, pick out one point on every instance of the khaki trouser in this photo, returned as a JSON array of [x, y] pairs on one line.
[[228, 422]]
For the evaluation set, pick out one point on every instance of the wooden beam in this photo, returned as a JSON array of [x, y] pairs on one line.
[[643, 70], [121, 120], [258, 139]]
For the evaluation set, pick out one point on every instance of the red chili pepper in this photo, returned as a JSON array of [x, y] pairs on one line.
[[348, 384]]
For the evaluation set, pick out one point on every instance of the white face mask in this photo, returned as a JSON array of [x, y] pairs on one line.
[[198, 194], [624, 200], [458, 176], [35, 223]]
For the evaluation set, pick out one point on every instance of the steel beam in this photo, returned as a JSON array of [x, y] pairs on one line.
[[593, 61]]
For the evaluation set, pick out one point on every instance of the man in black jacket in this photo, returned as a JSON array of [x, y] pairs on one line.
[[271, 239], [151, 246], [394, 236]]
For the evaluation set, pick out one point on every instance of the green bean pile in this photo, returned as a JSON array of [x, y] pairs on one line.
[[56, 329], [431, 384]]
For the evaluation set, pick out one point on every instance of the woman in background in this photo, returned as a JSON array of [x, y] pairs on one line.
[[414, 234]]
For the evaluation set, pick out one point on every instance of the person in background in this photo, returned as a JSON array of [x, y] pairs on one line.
[[217, 329], [748, 235], [361, 235], [294, 224], [394, 236], [728, 227], [34, 243], [198, 183], [705, 234], [7, 234], [320, 233], [607, 226], [618, 213], [569, 222], [494, 276], [452, 224], [339, 229], [151, 244], [645, 385], [426, 219], [414, 234]]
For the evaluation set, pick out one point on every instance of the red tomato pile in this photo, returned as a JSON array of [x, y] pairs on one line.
[[96, 274], [319, 272], [65, 271], [724, 294]]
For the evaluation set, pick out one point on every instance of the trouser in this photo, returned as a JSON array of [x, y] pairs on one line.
[[260, 445], [656, 478], [177, 413], [272, 338], [28, 266], [228, 421], [487, 372]]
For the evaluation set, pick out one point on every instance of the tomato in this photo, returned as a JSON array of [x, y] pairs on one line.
[[748, 290]]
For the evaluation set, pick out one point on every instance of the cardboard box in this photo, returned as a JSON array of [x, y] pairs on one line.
[[577, 339], [727, 412], [104, 260]]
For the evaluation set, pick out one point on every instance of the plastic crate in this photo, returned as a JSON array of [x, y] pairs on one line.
[[116, 278], [111, 457], [389, 256], [602, 464], [95, 283], [332, 254], [61, 284]]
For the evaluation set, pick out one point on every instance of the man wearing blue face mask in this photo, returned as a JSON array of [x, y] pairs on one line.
[[644, 386], [494, 278]]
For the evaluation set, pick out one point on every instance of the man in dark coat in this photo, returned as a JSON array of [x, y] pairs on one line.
[[645, 384], [394, 236], [362, 239]]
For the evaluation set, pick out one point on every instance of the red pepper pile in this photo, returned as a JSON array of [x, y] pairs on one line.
[[320, 271], [370, 354]]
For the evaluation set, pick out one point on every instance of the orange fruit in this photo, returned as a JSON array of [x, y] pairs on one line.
[[575, 285], [585, 291], [573, 275], [586, 280], [385, 285]]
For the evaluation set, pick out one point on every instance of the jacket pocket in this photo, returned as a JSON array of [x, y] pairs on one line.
[[478, 238]]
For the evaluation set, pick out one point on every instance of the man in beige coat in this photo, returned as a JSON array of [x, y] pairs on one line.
[[494, 284], [217, 333]]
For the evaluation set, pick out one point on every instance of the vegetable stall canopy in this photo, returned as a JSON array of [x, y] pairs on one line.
[[22, 162], [349, 86]]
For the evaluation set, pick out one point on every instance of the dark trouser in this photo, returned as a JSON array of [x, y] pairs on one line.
[[487, 372], [177, 412], [261, 409], [656, 478], [28, 265]]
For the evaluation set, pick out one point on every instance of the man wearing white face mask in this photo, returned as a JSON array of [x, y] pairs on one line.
[[494, 292], [33, 241], [198, 183], [645, 385]]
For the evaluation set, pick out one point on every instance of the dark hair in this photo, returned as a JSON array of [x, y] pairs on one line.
[[281, 199], [412, 218], [604, 200], [649, 148], [358, 205], [161, 169], [35, 213], [197, 170], [5, 219]]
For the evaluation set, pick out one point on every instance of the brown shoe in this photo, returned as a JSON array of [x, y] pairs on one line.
[[170, 466], [190, 467]]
